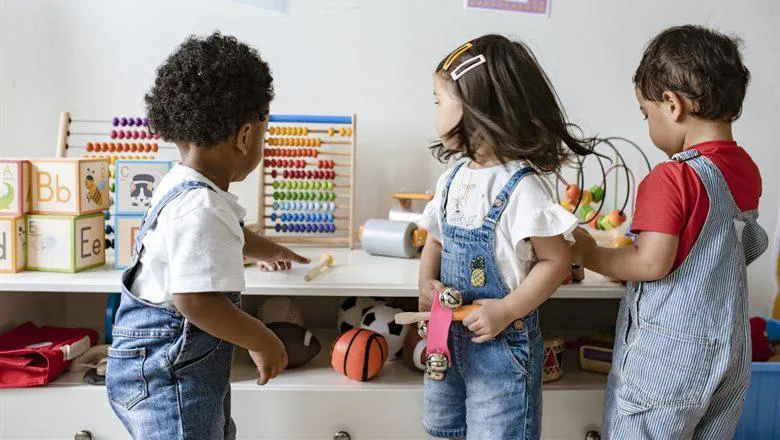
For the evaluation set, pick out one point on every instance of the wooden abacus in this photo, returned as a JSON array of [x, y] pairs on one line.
[[305, 196]]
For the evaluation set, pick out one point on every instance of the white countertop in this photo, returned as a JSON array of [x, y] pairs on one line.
[[354, 273]]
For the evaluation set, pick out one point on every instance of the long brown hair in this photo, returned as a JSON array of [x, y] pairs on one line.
[[508, 103]]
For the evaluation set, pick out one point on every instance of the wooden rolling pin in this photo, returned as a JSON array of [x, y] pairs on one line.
[[411, 317]]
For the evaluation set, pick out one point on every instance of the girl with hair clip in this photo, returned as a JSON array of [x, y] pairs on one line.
[[496, 235]]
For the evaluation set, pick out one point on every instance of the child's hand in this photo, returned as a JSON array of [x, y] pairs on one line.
[[270, 360], [273, 266], [584, 243], [284, 257], [492, 317], [428, 295]]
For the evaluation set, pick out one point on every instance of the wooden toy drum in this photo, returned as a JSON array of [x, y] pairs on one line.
[[554, 348]]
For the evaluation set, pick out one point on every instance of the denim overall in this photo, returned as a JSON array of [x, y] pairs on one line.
[[491, 390], [166, 378], [681, 364]]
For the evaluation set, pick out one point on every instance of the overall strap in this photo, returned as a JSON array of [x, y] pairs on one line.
[[498, 206], [446, 190], [710, 176], [150, 218]]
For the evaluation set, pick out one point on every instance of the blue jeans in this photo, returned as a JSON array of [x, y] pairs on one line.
[[494, 388]]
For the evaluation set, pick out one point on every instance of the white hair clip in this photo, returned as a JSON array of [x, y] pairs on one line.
[[467, 65]]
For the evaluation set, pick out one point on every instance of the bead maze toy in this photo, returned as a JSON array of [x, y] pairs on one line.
[[590, 204], [138, 159], [307, 180]]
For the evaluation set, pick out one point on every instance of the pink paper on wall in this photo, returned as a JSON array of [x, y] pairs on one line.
[[535, 7]]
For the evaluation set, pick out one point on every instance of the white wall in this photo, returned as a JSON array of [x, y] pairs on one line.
[[97, 58]]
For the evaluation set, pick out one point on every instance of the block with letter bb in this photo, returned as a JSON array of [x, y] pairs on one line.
[[69, 186]]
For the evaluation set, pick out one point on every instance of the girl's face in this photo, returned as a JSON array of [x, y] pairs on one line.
[[448, 108]]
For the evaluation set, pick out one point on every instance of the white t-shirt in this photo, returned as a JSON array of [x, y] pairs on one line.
[[531, 212], [195, 246]]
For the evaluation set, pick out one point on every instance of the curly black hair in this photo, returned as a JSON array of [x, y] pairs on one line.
[[207, 88], [702, 65], [510, 104]]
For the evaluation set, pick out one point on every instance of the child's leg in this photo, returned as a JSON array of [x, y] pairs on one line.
[[725, 406], [504, 386]]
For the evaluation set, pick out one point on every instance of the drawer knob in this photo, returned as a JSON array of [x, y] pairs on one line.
[[341, 435], [593, 435], [83, 435]]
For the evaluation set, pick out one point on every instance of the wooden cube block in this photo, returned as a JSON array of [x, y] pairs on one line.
[[13, 244], [126, 229], [15, 195], [135, 183], [69, 186], [58, 243]]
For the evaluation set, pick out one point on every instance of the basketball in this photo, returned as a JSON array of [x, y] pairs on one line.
[[359, 354]]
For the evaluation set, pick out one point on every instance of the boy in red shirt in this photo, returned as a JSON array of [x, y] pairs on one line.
[[681, 363]]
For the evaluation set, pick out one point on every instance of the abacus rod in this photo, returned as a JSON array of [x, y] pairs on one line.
[[167, 147], [342, 196], [334, 218], [338, 228], [295, 210], [270, 184]]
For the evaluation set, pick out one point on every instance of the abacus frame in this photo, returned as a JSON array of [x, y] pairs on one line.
[[265, 180]]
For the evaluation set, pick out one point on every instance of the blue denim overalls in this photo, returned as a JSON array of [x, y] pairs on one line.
[[491, 390], [682, 350], [166, 378]]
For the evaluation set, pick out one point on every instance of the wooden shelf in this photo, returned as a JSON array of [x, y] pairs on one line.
[[318, 375], [354, 273]]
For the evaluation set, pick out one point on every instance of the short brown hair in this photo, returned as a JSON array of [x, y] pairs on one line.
[[703, 65], [510, 103]]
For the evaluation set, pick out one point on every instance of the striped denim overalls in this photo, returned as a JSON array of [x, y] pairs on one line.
[[166, 378], [681, 364]]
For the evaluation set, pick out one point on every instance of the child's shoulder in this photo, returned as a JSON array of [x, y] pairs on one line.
[[200, 201]]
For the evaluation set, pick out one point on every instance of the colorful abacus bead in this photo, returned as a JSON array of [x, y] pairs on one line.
[[573, 193], [123, 122], [587, 197]]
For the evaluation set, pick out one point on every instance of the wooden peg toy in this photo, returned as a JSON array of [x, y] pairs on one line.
[[326, 260], [458, 314]]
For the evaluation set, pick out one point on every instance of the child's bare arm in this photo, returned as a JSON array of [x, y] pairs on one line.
[[215, 314], [650, 259], [262, 249], [430, 266], [552, 267]]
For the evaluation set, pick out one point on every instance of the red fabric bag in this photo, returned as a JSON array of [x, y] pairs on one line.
[[32, 355]]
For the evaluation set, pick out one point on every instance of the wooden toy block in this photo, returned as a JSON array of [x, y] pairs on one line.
[[15, 195], [135, 183], [126, 229], [64, 243], [69, 186], [13, 244]]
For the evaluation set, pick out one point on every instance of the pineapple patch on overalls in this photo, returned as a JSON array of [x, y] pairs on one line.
[[477, 265]]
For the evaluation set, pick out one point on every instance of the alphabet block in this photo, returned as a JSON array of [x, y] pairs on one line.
[[64, 243], [69, 186], [13, 244], [126, 229], [15, 195], [136, 181]]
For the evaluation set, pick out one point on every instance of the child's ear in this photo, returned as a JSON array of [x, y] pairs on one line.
[[244, 138], [673, 105]]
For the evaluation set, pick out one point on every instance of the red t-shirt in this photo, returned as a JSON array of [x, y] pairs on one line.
[[672, 199]]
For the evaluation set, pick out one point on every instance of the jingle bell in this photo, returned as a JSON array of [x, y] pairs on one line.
[[450, 298], [422, 329], [436, 366]]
